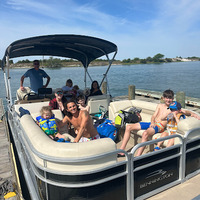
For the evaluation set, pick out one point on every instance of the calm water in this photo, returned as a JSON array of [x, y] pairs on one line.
[[182, 76]]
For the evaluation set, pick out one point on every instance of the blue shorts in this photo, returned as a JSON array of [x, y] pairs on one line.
[[158, 126]]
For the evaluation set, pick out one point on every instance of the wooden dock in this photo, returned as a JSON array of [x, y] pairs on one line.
[[9, 183]]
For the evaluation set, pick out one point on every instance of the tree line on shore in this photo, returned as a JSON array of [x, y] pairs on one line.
[[158, 58], [57, 62]]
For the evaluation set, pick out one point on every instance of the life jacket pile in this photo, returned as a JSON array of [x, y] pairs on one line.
[[172, 124], [48, 125]]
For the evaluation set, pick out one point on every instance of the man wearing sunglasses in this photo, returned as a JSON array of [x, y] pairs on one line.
[[36, 76]]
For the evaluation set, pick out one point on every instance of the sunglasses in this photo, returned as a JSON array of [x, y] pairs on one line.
[[173, 109], [59, 93]]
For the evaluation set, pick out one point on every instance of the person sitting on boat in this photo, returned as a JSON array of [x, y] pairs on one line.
[[81, 103], [81, 121], [176, 114], [95, 90], [157, 125], [58, 101], [172, 120], [48, 124], [68, 86], [36, 76], [74, 92]]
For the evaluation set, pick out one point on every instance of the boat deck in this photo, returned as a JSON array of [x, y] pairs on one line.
[[8, 178]]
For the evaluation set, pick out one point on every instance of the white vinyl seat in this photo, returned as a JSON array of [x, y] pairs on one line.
[[95, 102], [21, 94]]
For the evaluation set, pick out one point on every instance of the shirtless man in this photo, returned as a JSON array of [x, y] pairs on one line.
[[157, 125], [81, 121]]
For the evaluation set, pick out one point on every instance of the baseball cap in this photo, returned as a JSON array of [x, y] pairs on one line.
[[58, 90], [175, 106]]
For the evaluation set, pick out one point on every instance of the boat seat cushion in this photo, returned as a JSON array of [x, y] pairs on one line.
[[148, 108], [45, 146], [58, 116], [21, 94], [145, 106], [116, 106], [187, 124], [96, 101], [155, 136], [31, 107], [182, 128]]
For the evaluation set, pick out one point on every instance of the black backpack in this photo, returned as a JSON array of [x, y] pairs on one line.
[[130, 116]]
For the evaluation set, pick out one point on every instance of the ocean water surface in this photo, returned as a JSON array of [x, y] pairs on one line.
[[178, 76]]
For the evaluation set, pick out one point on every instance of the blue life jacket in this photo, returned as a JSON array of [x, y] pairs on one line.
[[48, 125]]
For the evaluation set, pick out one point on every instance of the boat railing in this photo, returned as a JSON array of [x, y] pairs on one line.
[[37, 168], [156, 171], [51, 176], [15, 129], [144, 176], [192, 153], [44, 174]]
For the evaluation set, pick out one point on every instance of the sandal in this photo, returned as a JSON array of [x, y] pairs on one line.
[[156, 148]]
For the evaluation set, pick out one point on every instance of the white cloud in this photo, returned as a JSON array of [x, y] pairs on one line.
[[167, 27], [28, 5]]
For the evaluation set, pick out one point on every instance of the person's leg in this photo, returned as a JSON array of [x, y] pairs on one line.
[[127, 134], [170, 142], [145, 135], [60, 136], [164, 134]]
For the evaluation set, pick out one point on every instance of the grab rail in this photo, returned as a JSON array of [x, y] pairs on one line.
[[178, 153], [192, 153], [154, 169], [28, 149]]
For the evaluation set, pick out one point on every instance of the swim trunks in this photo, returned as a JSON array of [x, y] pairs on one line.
[[84, 139], [159, 127]]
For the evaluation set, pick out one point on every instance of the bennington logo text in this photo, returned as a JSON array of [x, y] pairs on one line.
[[163, 175]]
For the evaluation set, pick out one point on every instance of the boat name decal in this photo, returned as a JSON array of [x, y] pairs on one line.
[[163, 175]]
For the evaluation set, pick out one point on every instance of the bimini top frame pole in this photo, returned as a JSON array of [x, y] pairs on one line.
[[7, 80], [110, 63]]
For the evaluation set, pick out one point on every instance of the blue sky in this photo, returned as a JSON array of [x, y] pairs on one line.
[[140, 28]]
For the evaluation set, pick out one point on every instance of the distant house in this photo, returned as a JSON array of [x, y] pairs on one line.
[[181, 59]]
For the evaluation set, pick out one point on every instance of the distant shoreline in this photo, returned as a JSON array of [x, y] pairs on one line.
[[93, 64]]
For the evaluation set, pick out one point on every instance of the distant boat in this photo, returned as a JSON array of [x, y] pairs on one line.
[[91, 170]]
